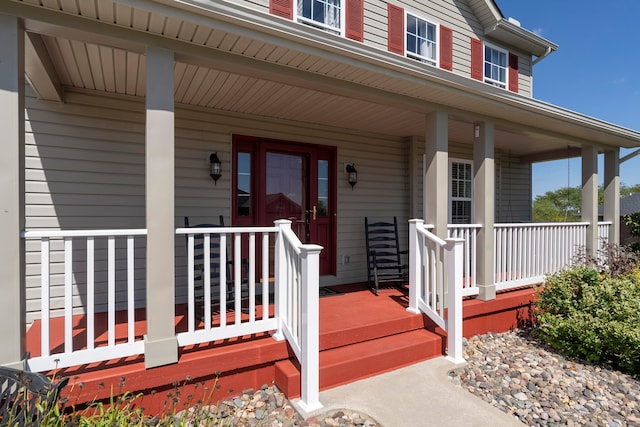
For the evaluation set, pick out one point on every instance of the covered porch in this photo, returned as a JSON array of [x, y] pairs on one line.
[[107, 151]]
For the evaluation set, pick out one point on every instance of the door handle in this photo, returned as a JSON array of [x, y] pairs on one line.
[[315, 211]]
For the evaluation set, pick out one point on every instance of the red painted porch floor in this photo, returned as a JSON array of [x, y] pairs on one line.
[[360, 335]]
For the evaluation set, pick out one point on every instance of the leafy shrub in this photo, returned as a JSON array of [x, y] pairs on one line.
[[611, 259], [592, 316]]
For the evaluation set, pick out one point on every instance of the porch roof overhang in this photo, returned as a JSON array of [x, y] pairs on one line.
[[228, 56]]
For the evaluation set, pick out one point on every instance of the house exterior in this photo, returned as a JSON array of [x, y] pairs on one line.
[[111, 110]]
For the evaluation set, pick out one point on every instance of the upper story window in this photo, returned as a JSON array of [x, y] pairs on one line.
[[325, 14], [418, 38], [495, 66], [422, 40]]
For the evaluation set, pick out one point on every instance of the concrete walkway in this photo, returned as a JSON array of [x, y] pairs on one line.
[[416, 396]]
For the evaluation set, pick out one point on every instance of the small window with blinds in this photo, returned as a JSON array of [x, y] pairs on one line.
[[461, 197]]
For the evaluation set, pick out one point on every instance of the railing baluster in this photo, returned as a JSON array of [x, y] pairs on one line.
[[252, 277], [91, 293], [237, 276], [191, 295], [206, 260], [265, 276], [45, 313], [111, 290], [223, 279], [68, 294], [131, 303]]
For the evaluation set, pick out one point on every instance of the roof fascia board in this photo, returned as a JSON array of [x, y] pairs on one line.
[[520, 37]]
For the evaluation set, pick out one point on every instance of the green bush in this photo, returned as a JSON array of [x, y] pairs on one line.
[[592, 316]]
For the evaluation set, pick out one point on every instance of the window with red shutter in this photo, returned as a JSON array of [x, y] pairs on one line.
[[355, 20], [283, 8], [396, 29], [477, 60], [513, 72], [446, 48]]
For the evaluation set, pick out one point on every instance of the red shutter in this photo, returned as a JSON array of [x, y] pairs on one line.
[[283, 8], [477, 60], [446, 48], [396, 29], [513, 72], [355, 20]]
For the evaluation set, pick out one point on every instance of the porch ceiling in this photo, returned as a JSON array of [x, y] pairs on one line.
[[248, 62]]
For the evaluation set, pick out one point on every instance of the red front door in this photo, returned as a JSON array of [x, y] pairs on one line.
[[282, 180]]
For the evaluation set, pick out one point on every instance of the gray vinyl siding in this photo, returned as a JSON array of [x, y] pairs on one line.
[[455, 14], [513, 189], [85, 170]]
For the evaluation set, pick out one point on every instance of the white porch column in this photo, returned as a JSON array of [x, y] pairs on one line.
[[436, 174], [484, 206], [590, 196], [612, 193], [161, 345], [12, 222]]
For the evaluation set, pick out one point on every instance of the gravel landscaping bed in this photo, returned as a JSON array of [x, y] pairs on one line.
[[521, 376], [268, 407]]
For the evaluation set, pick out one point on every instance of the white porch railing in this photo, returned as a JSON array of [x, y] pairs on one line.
[[244, 285], [469, 234], [435, 274], [296, 294], [603, 230], [525, 253], [77, 351], [298, 309]]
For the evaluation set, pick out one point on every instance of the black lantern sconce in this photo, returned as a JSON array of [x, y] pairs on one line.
[[215, 167], [352, 174]]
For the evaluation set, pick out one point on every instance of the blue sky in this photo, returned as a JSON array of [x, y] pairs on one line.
[[595, 71]]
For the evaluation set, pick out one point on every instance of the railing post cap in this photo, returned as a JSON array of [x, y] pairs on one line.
[[311, 249], [282, 222], [416, 221]]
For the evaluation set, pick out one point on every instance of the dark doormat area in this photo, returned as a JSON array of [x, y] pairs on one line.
[[328, 292]]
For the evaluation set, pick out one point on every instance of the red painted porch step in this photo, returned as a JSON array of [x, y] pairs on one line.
[[349, 363]]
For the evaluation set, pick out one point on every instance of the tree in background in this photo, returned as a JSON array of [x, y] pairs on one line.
[[560, 205], [565, 203]]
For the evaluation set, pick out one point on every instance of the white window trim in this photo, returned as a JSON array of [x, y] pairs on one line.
[[451, 198], [493, 82], [429, 61], [341, 31]]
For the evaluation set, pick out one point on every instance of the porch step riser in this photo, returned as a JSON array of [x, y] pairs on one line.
[[350, 363], [370, 332]]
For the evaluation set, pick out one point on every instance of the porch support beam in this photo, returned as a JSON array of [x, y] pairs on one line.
[[436, 178], [484, 206], [590, 196], [12, 220], [612, 193], [161, 345]]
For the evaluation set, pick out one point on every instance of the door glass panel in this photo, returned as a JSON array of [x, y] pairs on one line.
[[244, 184], [286, 191], [323, 187]]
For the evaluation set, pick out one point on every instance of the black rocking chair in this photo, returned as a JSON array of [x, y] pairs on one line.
[[214, 265], [384, 263]]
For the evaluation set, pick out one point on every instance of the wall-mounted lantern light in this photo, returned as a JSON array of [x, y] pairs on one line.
[[352, 174], [215, 167]]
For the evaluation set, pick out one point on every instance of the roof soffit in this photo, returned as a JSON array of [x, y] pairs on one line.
[[386, 75]]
